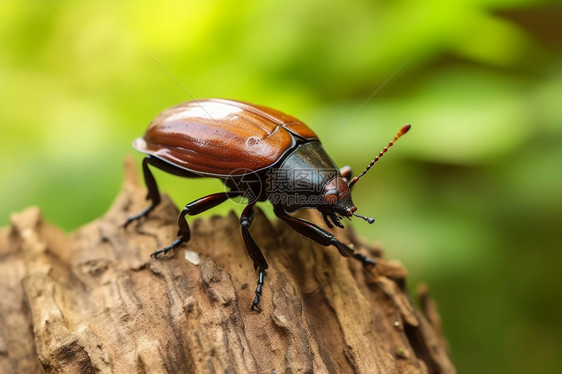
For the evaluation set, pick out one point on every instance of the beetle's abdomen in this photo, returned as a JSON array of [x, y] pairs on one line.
[[218, 137]]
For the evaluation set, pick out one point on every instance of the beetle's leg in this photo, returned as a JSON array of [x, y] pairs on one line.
[[328, 223], [254, 251], [321, 236], [257, 296], [336, 220], [195, 207], [153, 193], [184, 234]]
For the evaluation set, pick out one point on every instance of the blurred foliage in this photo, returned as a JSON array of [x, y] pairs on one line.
[[469, 200]]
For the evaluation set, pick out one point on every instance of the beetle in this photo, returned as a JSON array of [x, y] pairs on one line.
[[259, 153]]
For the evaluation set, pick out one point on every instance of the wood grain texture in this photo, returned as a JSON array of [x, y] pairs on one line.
[[94, 301]]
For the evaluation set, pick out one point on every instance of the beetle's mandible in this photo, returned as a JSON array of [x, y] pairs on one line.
[[261, 154]]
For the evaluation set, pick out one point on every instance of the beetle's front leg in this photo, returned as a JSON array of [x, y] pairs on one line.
[[195, 207], [321, 236], [254, 251]]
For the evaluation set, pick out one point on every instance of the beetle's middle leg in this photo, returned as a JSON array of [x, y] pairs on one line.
[[321, 236], [195, 207], [254, 251]]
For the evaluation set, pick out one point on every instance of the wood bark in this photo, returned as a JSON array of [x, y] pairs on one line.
[[95, 301]]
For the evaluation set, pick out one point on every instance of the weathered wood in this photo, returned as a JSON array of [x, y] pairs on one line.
[[94, 300]]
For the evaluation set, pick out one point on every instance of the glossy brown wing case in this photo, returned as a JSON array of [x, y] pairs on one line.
[[221, 137]]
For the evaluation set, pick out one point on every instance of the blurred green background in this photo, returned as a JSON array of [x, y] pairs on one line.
[[470, 200]]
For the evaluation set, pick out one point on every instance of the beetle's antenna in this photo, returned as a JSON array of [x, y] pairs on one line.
[[402, 131], [368, 219]]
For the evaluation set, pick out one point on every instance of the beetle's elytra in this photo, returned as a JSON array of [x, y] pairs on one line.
[[259, 153]]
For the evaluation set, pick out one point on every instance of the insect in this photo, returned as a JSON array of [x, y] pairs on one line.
[[259, 153]]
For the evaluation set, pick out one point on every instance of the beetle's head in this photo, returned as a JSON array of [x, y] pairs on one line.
[[337, 196], [337, 201]]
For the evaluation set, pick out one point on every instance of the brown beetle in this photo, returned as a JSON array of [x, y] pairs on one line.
[[261, 154]]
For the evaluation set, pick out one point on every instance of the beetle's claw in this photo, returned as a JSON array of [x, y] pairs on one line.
[[336, 220], [367, 262], [256, 300], [255, 305], [131, 219], [156, 253], [257, 295], [160, 251], [167, 249], [137, 217], [127, 223]]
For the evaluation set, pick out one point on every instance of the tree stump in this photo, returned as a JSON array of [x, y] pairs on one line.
[[95, 301]]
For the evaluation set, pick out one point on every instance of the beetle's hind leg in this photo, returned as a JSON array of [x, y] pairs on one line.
[[195, 207], [153, 193], [254, 251]]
